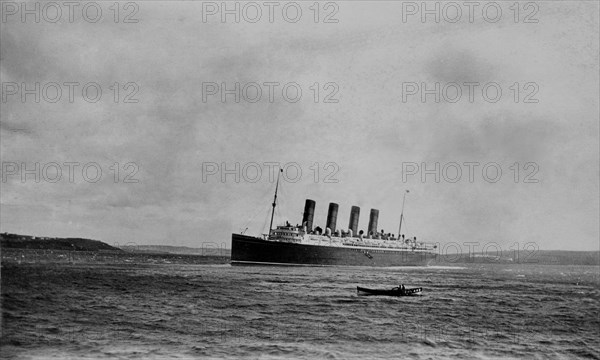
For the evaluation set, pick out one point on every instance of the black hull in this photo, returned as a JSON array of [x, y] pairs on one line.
[[249, 250]]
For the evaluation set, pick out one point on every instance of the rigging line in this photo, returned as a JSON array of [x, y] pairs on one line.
[[405, 225], [266, 191], [265, 225], [285, 210], [284, 205], [264, 196], [281, 204], [256, 213], [278, 213]]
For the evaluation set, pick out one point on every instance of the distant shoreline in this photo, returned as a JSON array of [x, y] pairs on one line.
[[27, 248], [14, 255], [16, 241], [32, 249]]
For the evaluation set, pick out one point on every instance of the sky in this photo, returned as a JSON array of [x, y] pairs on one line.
[[171, 158]]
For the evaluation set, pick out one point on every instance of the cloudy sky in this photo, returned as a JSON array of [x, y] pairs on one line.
[[362, 139]]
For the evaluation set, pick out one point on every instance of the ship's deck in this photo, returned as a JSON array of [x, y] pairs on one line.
[[296, 235]]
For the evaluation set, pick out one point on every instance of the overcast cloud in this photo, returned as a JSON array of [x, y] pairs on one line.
[[369, 133]]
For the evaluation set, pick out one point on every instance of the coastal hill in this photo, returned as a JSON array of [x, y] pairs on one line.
[[14, 241], [36, 249]]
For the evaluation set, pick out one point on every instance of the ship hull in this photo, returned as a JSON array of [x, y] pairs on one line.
[[249, 250]]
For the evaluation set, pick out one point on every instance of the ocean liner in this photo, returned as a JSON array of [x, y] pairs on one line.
[[304, 245]]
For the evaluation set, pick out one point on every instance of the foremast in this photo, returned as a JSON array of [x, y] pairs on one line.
[[274, 202], [402, 213]]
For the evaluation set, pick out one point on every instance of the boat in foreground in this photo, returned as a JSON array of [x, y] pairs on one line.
[[385, 292]]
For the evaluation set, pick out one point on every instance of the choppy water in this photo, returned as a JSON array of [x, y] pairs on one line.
[[198, 311]]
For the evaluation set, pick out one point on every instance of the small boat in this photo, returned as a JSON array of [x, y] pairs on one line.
[[393, 292]]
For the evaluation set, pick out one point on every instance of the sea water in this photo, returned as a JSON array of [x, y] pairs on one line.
[[130, 311]]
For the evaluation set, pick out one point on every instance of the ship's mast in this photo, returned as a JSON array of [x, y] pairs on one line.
[[274, 201], [402, 214]]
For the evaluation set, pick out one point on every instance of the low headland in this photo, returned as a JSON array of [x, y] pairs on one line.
[[35, 249]]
